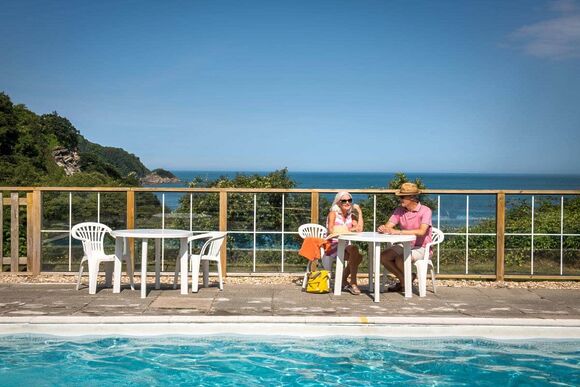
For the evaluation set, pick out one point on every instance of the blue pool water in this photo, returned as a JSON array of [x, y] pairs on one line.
[[245, 361]]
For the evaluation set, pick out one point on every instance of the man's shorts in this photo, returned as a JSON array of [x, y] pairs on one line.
[[416, 252]]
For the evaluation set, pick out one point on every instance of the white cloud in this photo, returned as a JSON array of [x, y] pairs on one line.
[[558, 37]]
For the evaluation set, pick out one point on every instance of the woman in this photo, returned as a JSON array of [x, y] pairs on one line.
[[339, 218]]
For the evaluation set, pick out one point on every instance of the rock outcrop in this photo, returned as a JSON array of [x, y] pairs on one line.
[[153, 178], [67, 159]]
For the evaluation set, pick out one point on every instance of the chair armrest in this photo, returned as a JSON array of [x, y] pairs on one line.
[[198, 236], [427, 255]]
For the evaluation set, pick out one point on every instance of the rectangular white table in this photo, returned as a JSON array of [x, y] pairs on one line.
[[374, 240], [145, 235]]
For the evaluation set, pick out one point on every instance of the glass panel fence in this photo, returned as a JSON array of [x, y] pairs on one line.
[[148, 210], [56, 210], [542, 231], [518, 251], [112, 209], [296, 210], [482, 251], [571, 255]]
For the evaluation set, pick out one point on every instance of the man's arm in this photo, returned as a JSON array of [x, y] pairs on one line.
[[389, 228], [422, 230]]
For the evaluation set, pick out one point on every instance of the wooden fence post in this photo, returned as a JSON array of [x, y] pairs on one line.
[[1, 232], [14, 232], [500, 237], [29, 233], [36, 228], [223, 226], [131, 223], [314, 196]]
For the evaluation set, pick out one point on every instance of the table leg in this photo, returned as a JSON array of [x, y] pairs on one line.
[[408, 269], [184, 266], [339, 267], [377, 271], [157, 262], [370, 250], [117, 273], [144, 268]]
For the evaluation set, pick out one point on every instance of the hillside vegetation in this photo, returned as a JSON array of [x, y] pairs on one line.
[[29, 144]]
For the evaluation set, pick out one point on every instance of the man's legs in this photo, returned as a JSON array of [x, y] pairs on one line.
[[400, 261], [392, 259]]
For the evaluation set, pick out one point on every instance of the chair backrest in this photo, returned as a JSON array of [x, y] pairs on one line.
[[92, 235], [212, 247], [437, 236], [312, 230]]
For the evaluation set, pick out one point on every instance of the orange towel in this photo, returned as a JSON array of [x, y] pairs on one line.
[[311, 247]]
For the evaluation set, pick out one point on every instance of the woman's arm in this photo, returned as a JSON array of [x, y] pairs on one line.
[[330, 223], [360, 222]]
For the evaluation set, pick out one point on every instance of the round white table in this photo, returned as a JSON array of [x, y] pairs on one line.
[[145, 235], [374, 240]]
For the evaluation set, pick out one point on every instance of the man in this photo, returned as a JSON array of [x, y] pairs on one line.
[[412, 218]]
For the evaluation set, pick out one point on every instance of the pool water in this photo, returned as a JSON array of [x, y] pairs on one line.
[[261, 361]]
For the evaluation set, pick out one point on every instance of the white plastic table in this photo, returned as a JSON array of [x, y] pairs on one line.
[[374, 240], [145, 235]]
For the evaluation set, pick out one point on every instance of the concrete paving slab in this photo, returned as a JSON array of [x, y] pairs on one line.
[[513, 294], [286, 300], [560, 296], [176, 302]]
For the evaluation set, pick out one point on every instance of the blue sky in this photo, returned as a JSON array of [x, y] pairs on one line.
[[414, 86]]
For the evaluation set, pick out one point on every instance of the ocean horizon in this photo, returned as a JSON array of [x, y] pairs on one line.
[[361, 180], [481, 207]]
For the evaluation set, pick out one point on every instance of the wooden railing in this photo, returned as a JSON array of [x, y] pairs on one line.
[[30, 199], [33, 241]]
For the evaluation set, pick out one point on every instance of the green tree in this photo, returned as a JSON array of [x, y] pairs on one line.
[[27, 141], [126, 163], [8, 131], [205, 210], [65, 133], [386, 204]]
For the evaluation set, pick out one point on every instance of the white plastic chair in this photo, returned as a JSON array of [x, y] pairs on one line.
[[92, 235], [424, 264], [178, 262], [210, 252], [316, 231]]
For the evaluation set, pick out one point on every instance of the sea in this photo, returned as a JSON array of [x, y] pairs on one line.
[[453, 208], [353, 180]]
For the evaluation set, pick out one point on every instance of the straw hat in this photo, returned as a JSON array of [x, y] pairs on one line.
[[408, 189]]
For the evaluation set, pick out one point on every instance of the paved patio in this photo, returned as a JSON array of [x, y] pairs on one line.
[[267, 308], [262, 301]]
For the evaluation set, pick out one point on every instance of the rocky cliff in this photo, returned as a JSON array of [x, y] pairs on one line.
[[159, 176], [67, 159]]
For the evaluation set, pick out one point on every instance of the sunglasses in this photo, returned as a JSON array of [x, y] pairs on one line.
[[344, 201]]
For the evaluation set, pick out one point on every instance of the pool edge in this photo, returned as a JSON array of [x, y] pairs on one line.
[[493, 328]]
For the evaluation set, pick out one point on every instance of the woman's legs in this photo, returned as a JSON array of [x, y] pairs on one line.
[[353, 259]]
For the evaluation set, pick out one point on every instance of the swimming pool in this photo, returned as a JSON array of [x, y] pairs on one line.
[[260, 361]]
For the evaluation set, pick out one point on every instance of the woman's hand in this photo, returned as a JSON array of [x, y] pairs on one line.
[[360, 221], [382, 229]]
